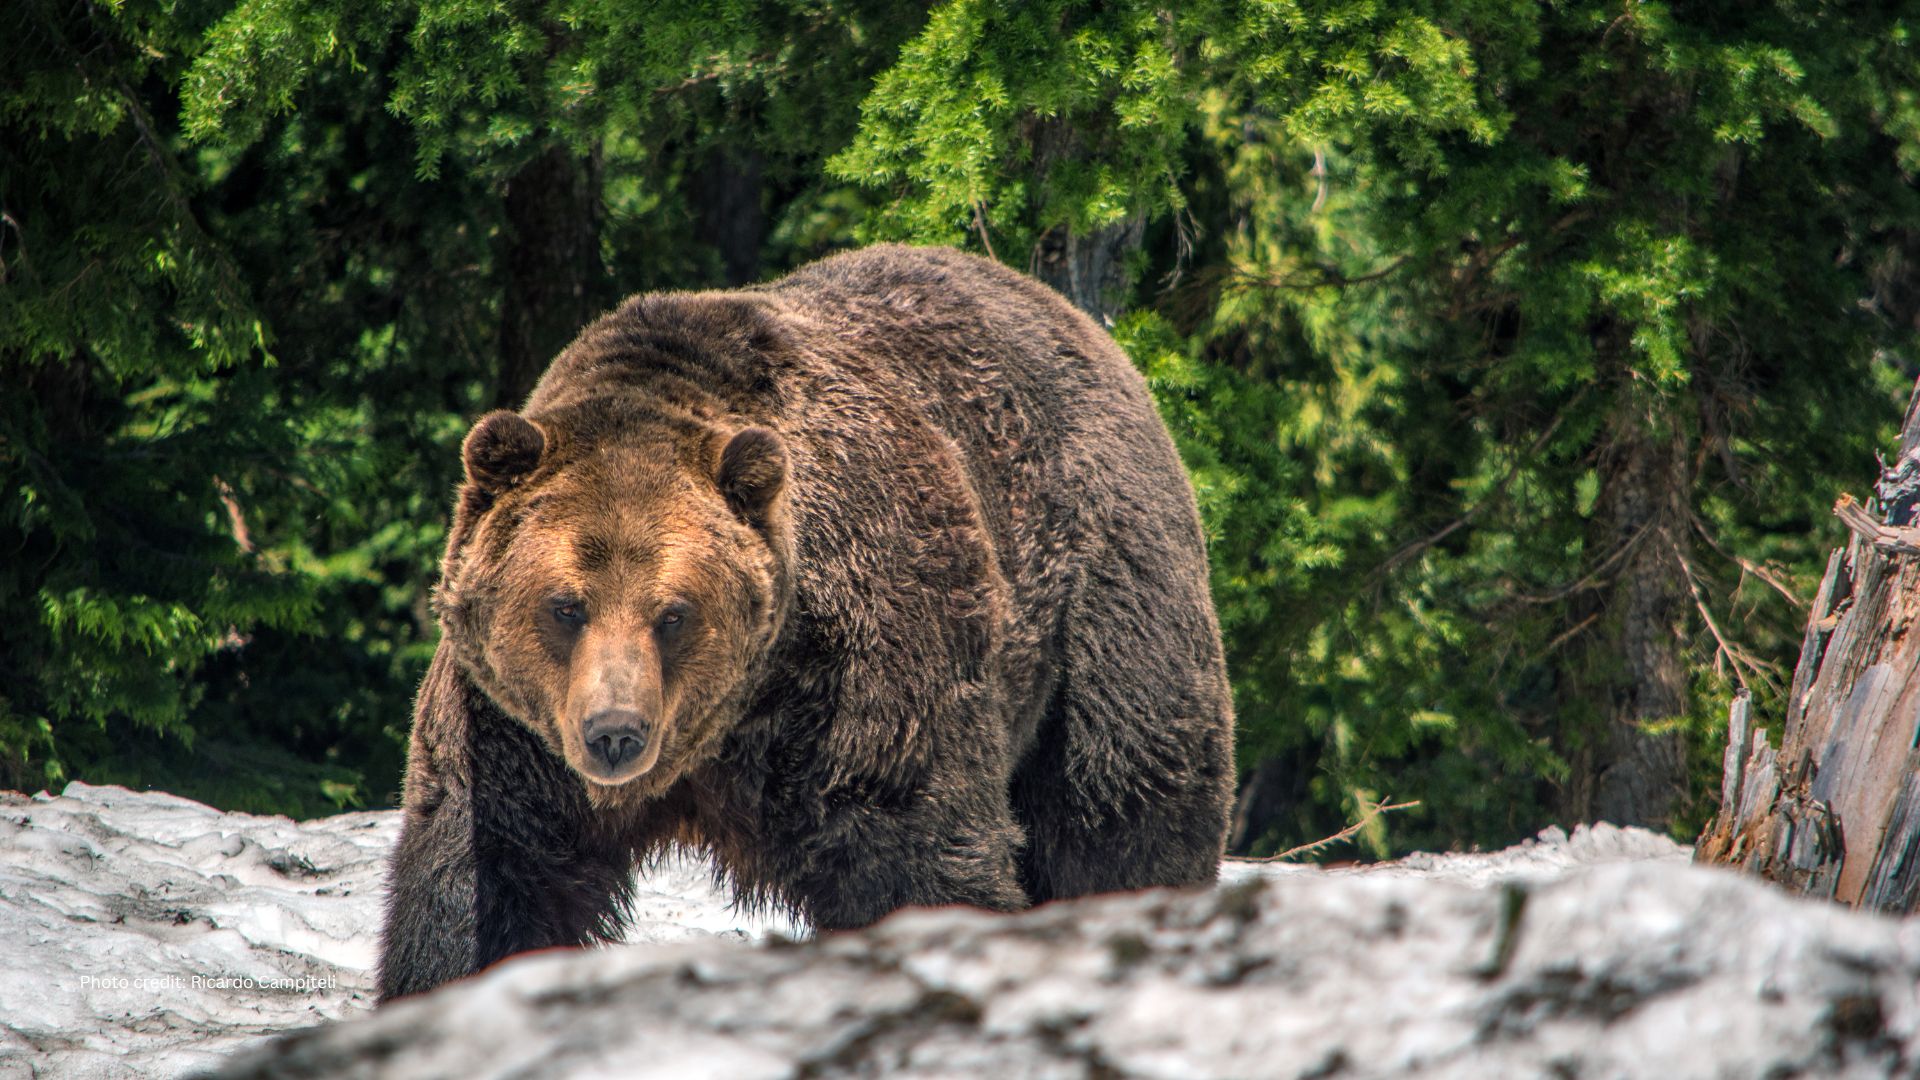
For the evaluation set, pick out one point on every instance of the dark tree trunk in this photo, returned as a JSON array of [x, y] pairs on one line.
[[1835, 812], [1623, 773], [554, 278], [1092, 269], [729, 212], [1270, 797]]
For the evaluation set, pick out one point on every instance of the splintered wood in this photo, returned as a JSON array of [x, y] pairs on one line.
[[1835, 811]]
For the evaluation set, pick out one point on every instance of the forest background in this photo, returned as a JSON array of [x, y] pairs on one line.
[[1517, 350]]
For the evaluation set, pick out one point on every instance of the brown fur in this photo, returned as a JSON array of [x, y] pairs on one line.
[[896, 562]]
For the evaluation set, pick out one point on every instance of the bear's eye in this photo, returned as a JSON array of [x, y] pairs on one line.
[[672, 619], [569, 612]]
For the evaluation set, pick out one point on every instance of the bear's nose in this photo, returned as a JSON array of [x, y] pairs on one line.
[[615, 736]]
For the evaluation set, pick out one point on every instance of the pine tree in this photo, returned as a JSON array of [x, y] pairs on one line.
[[1515, 350], [130, 436], [1565, 305]]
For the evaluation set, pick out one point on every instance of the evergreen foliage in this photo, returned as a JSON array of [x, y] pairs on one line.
[[1516, 350]]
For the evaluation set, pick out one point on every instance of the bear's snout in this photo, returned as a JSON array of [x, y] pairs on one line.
[[614, 720], [615, 737]]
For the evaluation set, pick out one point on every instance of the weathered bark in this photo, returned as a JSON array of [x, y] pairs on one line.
[[1835, 812], [554, 278], [1624, 773]]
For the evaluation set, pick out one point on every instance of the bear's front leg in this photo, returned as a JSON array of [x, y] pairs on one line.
[[499, 850], [942, 842]]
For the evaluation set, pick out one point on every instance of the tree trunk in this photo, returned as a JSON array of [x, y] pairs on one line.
[[1835, 812], [554, 278], [1625, 774], [728, 212], [1091, 268], [1270, 799]]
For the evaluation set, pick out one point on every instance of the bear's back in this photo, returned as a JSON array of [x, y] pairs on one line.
[[1064, 452], [1033, 393], [871, 357]]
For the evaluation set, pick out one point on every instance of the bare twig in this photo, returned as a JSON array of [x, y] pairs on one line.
[[20, 241], [1367, 817], [1183, 234], [1739, 658], [1592, 578], [761, 65], [236, 519], [980, 226], [1615, 24], [1565, 636], [1755, 569], [1326, 277], [1319, 175]]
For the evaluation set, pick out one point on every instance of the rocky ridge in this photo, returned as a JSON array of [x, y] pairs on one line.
[[1598, 954]]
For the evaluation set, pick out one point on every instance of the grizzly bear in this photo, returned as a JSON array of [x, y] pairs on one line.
[[881, 584]]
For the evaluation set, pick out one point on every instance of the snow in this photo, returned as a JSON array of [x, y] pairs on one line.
[[1551, 856]]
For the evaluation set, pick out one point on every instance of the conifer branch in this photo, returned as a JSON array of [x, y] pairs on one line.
[[1414, 548]]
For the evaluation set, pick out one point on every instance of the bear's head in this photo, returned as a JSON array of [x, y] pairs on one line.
[[612, 584]]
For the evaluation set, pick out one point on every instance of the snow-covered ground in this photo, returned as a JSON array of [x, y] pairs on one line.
[[147, 935]]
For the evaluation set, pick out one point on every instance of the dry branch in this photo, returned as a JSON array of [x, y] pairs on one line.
[[1367, 817]]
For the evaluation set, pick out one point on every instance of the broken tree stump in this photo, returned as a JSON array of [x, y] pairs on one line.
[[1835, 811]]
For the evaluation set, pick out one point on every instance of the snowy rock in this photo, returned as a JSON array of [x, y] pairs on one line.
[[1622, 970], [1597, 954], [126, 920]]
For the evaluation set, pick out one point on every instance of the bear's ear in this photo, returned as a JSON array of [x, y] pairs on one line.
[[752, 471], [501, 449]]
